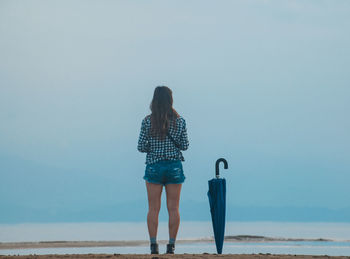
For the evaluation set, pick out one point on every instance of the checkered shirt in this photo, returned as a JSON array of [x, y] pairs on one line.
[[157, 149]]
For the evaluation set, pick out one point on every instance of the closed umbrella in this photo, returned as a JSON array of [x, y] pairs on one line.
[[217, 202]]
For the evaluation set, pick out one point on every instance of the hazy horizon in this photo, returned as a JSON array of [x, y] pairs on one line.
[[264, 84]]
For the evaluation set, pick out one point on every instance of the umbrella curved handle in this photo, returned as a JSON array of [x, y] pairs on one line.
[[217, 166]]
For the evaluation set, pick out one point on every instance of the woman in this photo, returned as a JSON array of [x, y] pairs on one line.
[[163, 135]]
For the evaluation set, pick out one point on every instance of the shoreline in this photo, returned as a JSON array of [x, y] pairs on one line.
[[180, 256], [124, 243], [111, 243], [136, 243], [77, 244]]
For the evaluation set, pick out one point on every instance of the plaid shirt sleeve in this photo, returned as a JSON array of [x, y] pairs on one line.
[[184, 138], [143, 144]]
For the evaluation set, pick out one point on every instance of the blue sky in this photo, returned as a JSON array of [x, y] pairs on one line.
[[264, 84]]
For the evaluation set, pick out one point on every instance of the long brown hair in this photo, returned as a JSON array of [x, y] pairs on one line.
[[163, 112]]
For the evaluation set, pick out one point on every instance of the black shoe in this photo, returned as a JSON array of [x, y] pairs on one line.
[[154, 249], [170, 248]]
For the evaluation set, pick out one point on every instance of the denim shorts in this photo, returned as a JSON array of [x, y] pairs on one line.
[[165, 172]]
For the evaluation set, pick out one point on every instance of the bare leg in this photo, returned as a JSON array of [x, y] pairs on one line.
[[173, 198], [154, 192]]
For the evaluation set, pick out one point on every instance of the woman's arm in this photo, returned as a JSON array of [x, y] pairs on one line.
[[184, 138], [143, 144]]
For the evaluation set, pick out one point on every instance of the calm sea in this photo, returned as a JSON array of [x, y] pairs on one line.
[[336, 234]]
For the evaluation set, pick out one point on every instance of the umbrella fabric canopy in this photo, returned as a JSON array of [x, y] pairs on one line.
[[217, 202]]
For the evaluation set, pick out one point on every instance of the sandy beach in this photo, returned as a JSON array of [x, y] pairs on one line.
[[84, 244], [61, 244], [182, 256]]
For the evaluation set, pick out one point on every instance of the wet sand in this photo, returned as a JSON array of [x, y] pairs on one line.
[[180, 256], [67, 244], [60, 244]]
